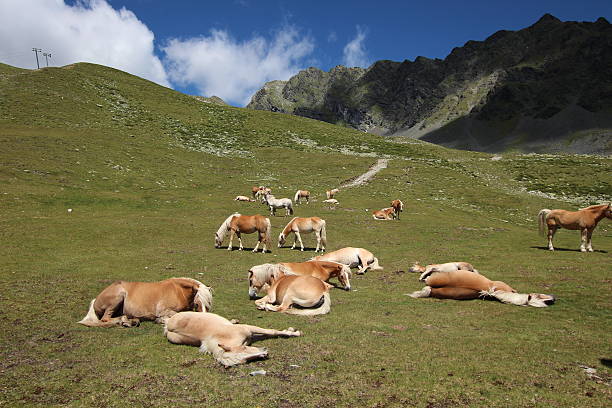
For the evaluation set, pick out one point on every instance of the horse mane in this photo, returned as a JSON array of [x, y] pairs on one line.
[[285, 233], [265, 272], [519, 299], [596, 206], [225, 225], [203, 294]]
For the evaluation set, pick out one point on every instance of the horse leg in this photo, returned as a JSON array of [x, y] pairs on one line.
[[583, 240], [239, 240], [589, 242], [297, 234], [294, 241], [262, 333], [229, 246], [551, 233], [257, 246], [318, 234]]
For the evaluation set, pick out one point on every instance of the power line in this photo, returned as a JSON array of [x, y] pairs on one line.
[[47, 56]]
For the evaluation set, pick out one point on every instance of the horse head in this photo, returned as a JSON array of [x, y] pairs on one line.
[[540, 300], [343, 277], [218, 241], [416, 268], [608, 211], [261, 277], [281, 240]]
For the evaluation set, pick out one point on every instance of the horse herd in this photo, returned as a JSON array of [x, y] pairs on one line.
[[183, 304]]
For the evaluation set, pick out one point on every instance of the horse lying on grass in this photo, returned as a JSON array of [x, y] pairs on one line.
[[247, 224], [584, 220], [305, 194], [263, 276], [425, 271], [127, 303], [304, 225], [228, 343], [301, 295], [462, 285], [353, 258], [275, 203], [384, 214], [243, 198]]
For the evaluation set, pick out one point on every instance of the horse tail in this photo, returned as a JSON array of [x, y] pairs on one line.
[[268, 232], [542, 216], [90, 319], [323, 309], [297, 196], [323, 233], [290, 208], [375, 266]]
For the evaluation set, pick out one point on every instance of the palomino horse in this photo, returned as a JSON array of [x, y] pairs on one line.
[[398, 206], [246, 224], [461, 285], [243, 198], [304, 225], [331, 201], [425, 271], [331, 193], [228, 343], [384, 214], [262, 276], [126, 303], [309, 294], [255, 190], [584, 220], [275, 203], [353, 258], [305, 194]]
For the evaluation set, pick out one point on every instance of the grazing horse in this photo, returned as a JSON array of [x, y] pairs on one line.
[[384, 214], [425, 271], [309, 294], [246, 224], [255, 190], [398, 206], [584, 220], [262, 276], [243, 198], [304, 225], [462, 285], [275, 203], [353, 258], [331, 193], [126, 303], [228, 343], [305, 194]]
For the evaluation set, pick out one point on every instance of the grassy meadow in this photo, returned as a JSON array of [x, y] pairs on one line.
[[150, 174]]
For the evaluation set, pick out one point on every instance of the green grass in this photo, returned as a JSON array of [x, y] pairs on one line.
[[147, 199]]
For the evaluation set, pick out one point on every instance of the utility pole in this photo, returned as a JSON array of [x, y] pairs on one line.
[[47, 55], [36, 51]]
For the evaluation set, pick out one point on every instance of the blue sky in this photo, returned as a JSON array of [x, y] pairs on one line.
[[231, 48]]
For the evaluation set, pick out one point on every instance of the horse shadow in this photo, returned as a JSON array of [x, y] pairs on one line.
[[244, 249], [601, 251]]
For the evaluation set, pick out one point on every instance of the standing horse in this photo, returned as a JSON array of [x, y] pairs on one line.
[[262, 276], [246, 224], [273, 203], [331, 193], [255, 190], [305, 225], [228, 343], [463, 285], [584, 220], [305, 194], [398, 206], [126, 303], [353, 258]]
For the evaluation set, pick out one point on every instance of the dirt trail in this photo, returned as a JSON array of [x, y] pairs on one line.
[[368, 175]]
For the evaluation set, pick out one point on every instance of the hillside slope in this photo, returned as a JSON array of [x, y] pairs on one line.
[[544, 88], [149, 174]]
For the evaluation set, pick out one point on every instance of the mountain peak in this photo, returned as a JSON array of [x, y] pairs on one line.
[[547, 19]]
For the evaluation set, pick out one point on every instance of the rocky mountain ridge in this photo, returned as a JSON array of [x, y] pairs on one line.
[[547, 87]]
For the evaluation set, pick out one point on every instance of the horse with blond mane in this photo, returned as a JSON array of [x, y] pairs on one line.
[[296, 294], [127, 303], [352, 257], [425, 271], [229, 343], [304, 225], [302, 194], [463, 285], [263, 276], [247, 224], [384, 214], [398, 206], [331, 193], [584, 220]]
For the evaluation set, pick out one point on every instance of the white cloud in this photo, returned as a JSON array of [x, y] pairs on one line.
[[89, 31], [220, 65], [354, 53]]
